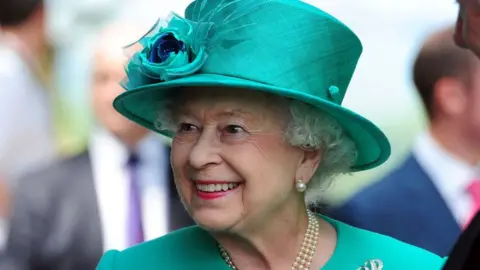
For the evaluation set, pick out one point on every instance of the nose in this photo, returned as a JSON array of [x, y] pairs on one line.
[[205, 152]]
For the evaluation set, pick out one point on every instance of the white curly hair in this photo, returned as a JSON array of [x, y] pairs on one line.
[[306, 127]]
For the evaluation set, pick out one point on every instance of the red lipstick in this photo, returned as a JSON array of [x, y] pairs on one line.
[[210, 190]]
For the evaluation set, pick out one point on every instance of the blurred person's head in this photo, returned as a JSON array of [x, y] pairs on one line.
[[448, 81], [26, 20], [467, 32], [108, 72]]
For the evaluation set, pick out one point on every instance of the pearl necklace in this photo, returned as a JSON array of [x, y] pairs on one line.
[[307, 250]]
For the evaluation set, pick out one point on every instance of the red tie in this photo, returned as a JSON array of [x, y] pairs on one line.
[[474, 191]]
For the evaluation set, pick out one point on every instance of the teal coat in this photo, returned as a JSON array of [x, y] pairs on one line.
[[193, 248]]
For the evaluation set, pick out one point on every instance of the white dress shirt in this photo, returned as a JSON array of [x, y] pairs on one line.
[[450, 175], [111, 178]]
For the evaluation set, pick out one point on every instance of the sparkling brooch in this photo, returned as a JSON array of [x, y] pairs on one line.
[[372, 265]]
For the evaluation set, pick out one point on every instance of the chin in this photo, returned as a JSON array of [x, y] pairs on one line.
[[215, 220]]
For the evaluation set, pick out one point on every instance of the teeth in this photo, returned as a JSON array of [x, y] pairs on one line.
[[216, 187]]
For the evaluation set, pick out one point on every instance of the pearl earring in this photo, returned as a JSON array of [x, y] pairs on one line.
[[300, 186]]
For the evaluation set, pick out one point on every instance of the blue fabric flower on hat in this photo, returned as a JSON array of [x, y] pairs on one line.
[[168, 53], [165, 46]]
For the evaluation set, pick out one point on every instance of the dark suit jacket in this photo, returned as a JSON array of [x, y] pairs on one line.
[[405, 205], [464, 255], [55, 222]]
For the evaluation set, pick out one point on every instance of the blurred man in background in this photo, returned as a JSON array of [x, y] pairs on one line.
[[113, 196], [435, 192], [26, 139], [467, 33]]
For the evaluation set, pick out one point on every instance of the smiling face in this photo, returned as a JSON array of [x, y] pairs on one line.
[[232, 167]]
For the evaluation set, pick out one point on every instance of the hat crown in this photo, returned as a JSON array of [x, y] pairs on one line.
[[283, 43]]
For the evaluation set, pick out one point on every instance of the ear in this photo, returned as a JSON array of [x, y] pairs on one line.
[[308, 165], [450, 96]]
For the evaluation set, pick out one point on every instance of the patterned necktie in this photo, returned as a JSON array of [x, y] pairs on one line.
[[134, 221], [474, 191]]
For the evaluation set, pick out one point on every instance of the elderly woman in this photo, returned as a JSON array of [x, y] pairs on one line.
[[251, 91]]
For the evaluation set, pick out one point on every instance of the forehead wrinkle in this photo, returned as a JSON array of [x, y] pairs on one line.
[[263, 110], [222, 112], [259, 121], [236, 113]]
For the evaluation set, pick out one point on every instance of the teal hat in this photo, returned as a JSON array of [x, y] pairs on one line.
[[283, 47]]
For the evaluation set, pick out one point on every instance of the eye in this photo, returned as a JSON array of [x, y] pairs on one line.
[[186, 128], [234, 129]]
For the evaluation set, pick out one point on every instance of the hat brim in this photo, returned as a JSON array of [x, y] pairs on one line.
[[141, 106]]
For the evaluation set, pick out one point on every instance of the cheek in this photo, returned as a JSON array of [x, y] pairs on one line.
[[103, 100], [179, 161], [471, 118], [475, 115], [267, 165]]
